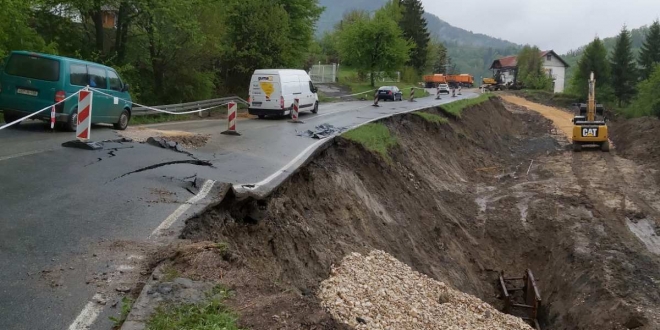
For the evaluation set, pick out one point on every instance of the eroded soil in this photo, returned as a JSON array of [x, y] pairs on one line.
[[493, 191]]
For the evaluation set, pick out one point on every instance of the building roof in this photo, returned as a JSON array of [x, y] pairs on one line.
[[510, 62]]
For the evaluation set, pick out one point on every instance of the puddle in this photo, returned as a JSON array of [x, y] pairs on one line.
[[645, 230]]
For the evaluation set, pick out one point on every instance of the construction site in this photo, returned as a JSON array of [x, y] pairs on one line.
[[485, 219]]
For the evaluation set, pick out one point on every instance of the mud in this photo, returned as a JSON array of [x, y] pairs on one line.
[[493, 191]]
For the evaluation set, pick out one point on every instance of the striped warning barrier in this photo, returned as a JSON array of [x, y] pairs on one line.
[[232, 115], [295, 112], [83, 130], [412, 94], [376, 99], [52, 118]]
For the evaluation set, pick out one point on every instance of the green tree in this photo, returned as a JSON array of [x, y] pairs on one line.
[[373, 45], [15, 30], [530, 69], [437, 58], [257, 37], [624, 75], [413, 24], [649, 54], [647, 101], [594, 59]]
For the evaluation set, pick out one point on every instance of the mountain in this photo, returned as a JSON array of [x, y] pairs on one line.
[[573, 56], [471, 52]]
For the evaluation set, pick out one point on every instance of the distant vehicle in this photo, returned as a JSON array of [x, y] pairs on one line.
[[433, 80], [391, 93], [272, 92], [444, 89], [33, 81]]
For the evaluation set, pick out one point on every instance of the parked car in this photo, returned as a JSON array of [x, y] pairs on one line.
[[444, 89], [391, 93], [33, 81], [272, 92]]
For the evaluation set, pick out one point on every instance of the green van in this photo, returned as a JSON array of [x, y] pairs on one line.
[[30, 82]]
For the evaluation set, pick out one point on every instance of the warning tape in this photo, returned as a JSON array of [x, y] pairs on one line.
[[160, 110], [338, 97], [35, 113]]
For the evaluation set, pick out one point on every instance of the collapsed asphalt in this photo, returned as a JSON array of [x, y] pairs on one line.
[[62, 207]]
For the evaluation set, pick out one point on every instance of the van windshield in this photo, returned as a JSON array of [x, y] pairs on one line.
[[33, 67]]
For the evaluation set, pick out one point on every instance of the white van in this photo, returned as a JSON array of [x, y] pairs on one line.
[[272, 92]]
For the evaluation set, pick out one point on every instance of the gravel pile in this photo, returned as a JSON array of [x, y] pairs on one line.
[[379, 292]]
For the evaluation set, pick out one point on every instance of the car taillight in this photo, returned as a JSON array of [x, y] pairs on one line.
[[389, 92], [60, 96], [282, 102], [249, 100]]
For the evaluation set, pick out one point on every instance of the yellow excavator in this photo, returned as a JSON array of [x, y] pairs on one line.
[[587, 130]]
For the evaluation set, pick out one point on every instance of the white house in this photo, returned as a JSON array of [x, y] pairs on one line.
[[553, 65]]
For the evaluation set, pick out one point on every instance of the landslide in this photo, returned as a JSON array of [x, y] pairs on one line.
[[451, 200]]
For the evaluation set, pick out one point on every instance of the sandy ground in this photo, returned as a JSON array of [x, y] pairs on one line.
[[563, 120]]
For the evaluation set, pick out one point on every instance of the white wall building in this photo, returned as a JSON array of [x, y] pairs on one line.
[[553, 65]]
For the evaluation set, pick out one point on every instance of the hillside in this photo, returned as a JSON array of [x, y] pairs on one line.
[[572, 57], [471, 52]]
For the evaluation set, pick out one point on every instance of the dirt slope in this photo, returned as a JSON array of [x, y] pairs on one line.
[[459, 202]]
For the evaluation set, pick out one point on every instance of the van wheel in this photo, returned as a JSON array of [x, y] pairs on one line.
[[72, 124], [9, 118], [122, 124], [316, 108]]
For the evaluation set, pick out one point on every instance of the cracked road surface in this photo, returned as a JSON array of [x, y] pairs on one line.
[[75, 227]]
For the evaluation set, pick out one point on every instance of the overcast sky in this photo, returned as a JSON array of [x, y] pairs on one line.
[[561, 25]]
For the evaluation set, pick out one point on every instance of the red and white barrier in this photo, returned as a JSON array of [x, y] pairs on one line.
[[295, 111], [232, 116], [52, 118], [412, 94], [376, 99], [83, 130]]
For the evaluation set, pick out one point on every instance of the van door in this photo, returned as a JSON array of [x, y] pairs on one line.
[[265, 91], [102, 104], [115, 87]]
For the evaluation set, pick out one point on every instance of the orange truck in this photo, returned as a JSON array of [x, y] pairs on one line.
[[464, 80], [433, 80]]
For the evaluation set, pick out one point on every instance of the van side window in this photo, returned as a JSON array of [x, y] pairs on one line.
[[311, 86], [78, 75], [97, 77], [115, 82]]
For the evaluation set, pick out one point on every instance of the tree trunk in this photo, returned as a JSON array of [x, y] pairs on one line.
[[121, 38], [156, 62], [97, 18], [373, 82]]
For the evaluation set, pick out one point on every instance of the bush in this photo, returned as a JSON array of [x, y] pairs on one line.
[[647, 102]]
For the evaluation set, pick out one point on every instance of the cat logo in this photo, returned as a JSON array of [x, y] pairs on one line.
[[589, 131]]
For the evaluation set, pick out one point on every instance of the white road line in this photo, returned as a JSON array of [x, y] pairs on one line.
[[243, 187], [88, 315], [167, 223]]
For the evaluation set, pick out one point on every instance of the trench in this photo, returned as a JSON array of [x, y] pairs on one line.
[[458, 201]]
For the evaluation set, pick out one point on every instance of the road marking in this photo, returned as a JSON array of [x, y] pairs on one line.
[[22, 154], [89, 314], [167, 223]]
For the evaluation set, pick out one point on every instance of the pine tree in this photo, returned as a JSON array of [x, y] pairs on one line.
[[413, 25], [649, 54], [594, 59], [441, 59], [624, 75]]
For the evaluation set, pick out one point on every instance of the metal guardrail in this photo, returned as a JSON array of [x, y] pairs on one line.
[[182, 107]]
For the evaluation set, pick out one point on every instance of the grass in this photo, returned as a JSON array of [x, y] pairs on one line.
[[456, 108], [210, 315], [431, 118], [126, 304], [349, 78], [170, 273], [375, 137]]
